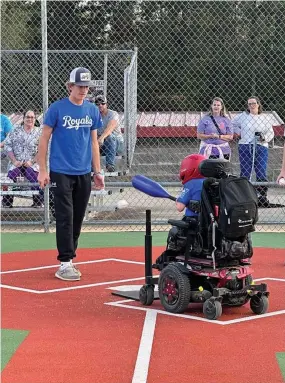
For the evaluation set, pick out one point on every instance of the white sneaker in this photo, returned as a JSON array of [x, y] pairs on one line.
[[68, 273], [76, 268]]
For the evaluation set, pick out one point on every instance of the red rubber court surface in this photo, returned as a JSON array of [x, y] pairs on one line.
[[80, 333]]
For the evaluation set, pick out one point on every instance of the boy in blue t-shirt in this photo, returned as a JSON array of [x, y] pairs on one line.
[[72, 122], [192, 182]]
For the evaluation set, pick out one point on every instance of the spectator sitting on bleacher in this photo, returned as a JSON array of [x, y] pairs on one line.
[[21, 146], [110, 137], [5, 129]]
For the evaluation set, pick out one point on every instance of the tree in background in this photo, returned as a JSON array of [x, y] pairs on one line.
[[189, 51]]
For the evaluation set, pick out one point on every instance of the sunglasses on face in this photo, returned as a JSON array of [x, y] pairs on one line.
[[30, 117], [100, 103]]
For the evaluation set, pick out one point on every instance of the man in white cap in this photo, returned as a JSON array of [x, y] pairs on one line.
[[110, 136], [72, 122]]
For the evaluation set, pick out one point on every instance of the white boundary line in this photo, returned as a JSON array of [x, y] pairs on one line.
[[185, 316], [69, 288], [144, 353], [76, 263], [20, 289], [119, 304], [9, 287], [270, 279]]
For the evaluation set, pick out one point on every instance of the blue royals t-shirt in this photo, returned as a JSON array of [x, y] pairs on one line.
[[70, 151], [191, 190]]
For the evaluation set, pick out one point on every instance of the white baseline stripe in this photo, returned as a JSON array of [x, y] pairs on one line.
[[254, 317], [53, 266], [117, 304], [90, 285], [126, 261], [143, 358], [68, 288], [218, 322], [269, 279], [19, 289], [75, 263]]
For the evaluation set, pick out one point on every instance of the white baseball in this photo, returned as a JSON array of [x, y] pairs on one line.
[[121, 204], [282, 181]]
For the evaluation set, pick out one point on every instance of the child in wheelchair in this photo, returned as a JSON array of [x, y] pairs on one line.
[[192, 181], [220, 212]]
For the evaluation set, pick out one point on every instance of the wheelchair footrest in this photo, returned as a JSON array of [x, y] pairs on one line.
[[247, 290]]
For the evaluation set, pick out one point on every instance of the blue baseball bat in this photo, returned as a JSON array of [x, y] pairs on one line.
[[150, 187]]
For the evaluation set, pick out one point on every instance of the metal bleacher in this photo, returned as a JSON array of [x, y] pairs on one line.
[[163, 139]]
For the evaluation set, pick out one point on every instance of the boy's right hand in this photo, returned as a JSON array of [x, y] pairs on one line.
[[99, 181], [43, 179], [281, 175], [101, 140]]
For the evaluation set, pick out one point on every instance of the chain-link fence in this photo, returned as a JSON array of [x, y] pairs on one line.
[[187, 54]]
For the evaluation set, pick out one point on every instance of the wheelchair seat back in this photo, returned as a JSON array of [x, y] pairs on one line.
[[217, 168]]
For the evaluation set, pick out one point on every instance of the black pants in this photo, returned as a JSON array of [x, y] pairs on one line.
[[71, 195]]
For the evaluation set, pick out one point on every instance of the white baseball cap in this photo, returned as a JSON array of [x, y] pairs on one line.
[[81, 76]]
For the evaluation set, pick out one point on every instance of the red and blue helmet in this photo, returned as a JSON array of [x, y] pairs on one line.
[[189, 168]]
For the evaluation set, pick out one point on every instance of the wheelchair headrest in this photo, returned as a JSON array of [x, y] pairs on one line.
[[217, 168]]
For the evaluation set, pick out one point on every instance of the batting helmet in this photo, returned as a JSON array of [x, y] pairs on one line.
[[189, 168]]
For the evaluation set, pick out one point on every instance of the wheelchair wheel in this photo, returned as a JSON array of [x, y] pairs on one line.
[[259, 304], [174, 289], [146, 295], [212, 309]]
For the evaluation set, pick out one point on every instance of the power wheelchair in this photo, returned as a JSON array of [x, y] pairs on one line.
[[202, 265]]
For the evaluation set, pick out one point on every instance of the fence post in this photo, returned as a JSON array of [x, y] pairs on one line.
[[126, 113], [44, 54], [105, 74]]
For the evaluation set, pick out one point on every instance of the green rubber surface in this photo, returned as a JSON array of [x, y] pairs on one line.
[[11, 242]]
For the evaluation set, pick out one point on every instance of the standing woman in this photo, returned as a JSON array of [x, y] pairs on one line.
[[255, 131], [215, 131]]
